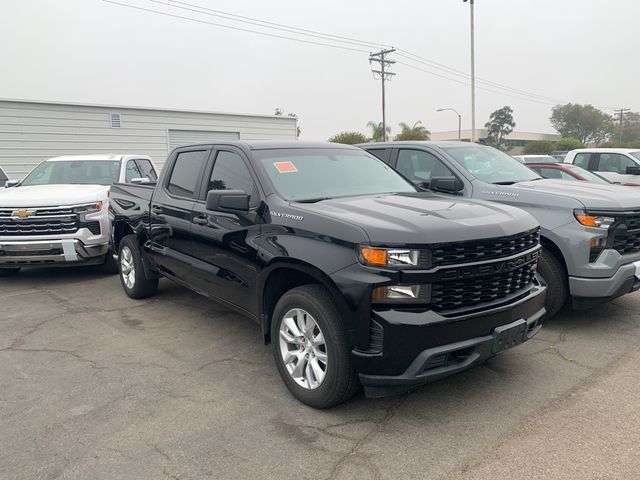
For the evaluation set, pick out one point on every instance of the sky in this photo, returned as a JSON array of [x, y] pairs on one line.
[[91, 51]]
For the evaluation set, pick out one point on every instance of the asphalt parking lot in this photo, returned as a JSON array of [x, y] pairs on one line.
[[94, 385]]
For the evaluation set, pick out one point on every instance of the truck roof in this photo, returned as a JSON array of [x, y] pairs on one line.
[[276, 144], [97, 157], [605, 150], [443, 143]]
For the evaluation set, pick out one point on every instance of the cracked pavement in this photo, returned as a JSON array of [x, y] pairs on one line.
[[96, 385]]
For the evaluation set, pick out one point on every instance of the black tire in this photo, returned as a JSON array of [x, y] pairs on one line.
[[554, 276], [111, 264], [141, 286], [9, 272], [341, 381]]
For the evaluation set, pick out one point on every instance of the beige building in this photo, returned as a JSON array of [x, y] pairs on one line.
[[515, 141]]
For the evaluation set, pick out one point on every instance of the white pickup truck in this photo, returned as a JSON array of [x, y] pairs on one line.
[[618, 165], [58, 214]]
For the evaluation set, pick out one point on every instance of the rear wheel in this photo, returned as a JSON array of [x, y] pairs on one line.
[[134, 281], [555, 278], [9, 272], [311, 348]]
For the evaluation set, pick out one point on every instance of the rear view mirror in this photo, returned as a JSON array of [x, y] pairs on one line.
[[230, 201], [11, 183], [633, 170], [451, 185]]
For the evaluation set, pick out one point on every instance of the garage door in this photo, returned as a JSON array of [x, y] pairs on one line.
[[177, 138]]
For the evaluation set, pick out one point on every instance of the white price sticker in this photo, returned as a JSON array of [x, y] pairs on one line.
[[637, 265]]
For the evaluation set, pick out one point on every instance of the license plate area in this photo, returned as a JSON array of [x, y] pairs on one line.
[[508, 336]]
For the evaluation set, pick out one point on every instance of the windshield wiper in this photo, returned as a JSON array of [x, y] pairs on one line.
[[312, 200]]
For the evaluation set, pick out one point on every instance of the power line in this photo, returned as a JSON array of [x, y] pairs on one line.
[[166, 14], [339, 42], [239, 18], [461, 82]]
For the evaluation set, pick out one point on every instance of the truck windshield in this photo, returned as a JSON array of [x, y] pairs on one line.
[[636, 154], [318, 174], [586, 174], [490, 165], [86, 172]]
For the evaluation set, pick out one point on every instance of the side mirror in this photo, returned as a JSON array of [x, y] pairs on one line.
[[11, 183], [141, 180], [230, 201], [633, 170], [451, 185]]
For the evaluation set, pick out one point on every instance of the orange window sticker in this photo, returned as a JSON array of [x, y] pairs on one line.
[[285, 167]]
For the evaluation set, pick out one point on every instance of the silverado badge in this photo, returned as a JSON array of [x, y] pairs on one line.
[[23, 213]]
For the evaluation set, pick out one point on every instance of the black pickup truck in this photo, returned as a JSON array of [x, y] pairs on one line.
[[354, 276]]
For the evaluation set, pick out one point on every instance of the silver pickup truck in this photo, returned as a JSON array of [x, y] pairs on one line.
[[58, 214], [590, 233]]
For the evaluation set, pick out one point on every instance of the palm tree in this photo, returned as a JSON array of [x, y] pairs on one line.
[[417, 132], [376, 131]]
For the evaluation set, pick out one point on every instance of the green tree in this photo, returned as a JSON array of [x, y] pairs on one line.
[[630, 128], [584, 122], [349, 138], [539, 147], [416, 132], [500, 125], [377, 131], [568, 143]]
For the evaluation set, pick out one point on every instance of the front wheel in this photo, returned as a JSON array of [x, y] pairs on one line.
[[134, 281], [555, 278], [311, 348]]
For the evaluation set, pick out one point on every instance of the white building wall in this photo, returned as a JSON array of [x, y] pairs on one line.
[[31, 131]]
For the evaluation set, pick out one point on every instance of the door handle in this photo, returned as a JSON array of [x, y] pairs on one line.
[[157, 209], [201, 220]]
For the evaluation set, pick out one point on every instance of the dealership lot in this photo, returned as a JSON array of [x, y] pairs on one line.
[[96, 385]]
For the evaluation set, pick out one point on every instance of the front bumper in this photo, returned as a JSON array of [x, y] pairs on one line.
[[592, 291], [58, 251], [422, 346]]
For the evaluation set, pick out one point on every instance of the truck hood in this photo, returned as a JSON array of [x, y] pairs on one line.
[[591, 195], [423, 218], [51, 195]]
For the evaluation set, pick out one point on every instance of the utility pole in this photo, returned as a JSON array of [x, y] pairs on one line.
[[621, 112], [473, 73], [379, 57]]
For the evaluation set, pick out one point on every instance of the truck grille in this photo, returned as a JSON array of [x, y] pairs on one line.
[[475, 251], [471, 291], [38, 221], [627, 234]]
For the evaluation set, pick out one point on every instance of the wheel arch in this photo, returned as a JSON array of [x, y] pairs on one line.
[[282, 277]]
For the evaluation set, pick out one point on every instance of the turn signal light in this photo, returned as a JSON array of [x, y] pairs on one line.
[[374, 256]]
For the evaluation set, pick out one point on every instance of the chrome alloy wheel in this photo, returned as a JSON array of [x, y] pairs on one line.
[[303, 348], [127, 267]]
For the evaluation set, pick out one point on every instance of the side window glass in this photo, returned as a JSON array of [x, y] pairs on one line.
[[614, 162], [131, 171], [420, 166], [381, 153], [186, 169], [146, 169], [582, 160], [231, 173], [551, 173]]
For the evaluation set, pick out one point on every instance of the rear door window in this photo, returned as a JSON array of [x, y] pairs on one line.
[[185, 176], [582, 160], [132, 171], [146, 169]]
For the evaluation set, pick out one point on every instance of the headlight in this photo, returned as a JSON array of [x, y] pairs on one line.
[[593, 220], [89, 208], [389, 257], [404, 294]]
